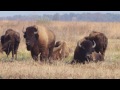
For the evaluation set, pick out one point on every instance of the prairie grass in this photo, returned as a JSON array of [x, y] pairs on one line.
[[71, 32]]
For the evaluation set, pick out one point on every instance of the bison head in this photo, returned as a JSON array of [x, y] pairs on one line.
[[86, 48], [31, 36]]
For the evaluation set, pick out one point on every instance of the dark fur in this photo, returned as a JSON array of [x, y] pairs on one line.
[[101, 41], [37, 46], [10, 42], [60, 51], [81, 53], [95, 57]]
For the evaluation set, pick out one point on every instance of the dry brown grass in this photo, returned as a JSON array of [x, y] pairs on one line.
[[58, 70], [71, 32]]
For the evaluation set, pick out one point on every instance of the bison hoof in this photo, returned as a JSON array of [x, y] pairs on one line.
[[11, 60]]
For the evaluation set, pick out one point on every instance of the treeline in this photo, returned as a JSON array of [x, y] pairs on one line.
[[97, 17]]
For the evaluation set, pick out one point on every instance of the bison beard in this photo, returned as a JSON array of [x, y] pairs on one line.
[[35, 51], [39, 40]]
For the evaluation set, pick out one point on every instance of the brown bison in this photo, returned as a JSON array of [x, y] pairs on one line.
[[10, 42], [39, 40], [60, 51], [65, 50], [95, 57], [56, 55], [83, 50], [101, 41]]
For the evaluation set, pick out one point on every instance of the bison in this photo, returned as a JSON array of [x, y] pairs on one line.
[[10, 42], [60, 51], [39, 40], [83, 50], [65, 50], [1, 47], [101, 41], [56, 55], [95, 57]]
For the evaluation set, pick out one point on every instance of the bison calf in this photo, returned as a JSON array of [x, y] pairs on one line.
[[56, 55], [60, 51], [95, 57]]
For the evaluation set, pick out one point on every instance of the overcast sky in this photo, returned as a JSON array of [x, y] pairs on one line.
[[12, 13]]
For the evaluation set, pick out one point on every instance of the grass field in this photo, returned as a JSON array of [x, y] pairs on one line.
[[71, 32]]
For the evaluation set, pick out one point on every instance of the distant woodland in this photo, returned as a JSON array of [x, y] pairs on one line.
[[95, 17]]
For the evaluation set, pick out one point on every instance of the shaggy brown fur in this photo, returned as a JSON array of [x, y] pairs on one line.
[[10, 42], [41, 39], [95, 57], [101, 41], [82, 51], [60, 51]]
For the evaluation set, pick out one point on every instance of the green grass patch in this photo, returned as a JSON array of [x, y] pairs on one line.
[[20, 56]]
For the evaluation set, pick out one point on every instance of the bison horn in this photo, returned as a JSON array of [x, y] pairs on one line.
[[79, 44], [94, 45], [36, 32]]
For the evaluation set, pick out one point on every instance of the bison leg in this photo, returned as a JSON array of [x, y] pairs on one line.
[[15, 49], [16, 55], [34, 56], [44, 56], [41, 58], [50, 52], [13, 52]]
